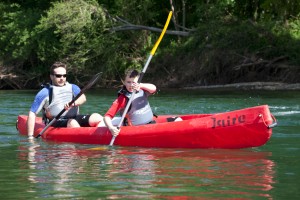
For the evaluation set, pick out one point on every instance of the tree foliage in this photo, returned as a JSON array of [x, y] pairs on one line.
[[17, 27], [102, 35], [72, 31]]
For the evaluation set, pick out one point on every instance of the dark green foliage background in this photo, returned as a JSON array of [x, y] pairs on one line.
[[222, 36]]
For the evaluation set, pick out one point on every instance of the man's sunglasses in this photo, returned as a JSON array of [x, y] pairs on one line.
[[60, 75]]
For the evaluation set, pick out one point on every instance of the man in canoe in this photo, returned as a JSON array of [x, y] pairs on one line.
[[139, 111], [54, 97]]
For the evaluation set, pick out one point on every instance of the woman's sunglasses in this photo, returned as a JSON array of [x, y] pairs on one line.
[[60, 75]]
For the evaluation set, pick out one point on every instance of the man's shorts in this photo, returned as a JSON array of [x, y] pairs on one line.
[[83, 121]]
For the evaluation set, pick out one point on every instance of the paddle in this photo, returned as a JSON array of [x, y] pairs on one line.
[[90, 83], [143, 72]]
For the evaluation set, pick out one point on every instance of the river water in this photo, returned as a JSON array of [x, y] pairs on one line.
[[36, 169]]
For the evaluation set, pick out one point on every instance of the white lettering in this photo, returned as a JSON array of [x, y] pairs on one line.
[[143, 110]]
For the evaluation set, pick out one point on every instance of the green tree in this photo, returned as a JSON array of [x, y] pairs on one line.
[[72, 31], [16, 39], [110, 36]]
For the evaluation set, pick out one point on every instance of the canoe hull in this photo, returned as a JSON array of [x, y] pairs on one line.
[[243, 128]]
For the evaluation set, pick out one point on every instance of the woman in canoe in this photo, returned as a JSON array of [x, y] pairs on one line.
[[55, 97]]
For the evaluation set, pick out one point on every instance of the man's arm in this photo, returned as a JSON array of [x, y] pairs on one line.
[[30, 123], [40, 100], [81, 100]]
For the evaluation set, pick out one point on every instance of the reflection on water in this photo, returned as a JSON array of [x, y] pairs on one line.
[[68, 171], [39, 169]]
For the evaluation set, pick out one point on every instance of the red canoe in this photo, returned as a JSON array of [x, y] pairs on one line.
[[249, 127]]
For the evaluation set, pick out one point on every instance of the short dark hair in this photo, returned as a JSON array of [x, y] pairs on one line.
[[57, 65], [131, 73]]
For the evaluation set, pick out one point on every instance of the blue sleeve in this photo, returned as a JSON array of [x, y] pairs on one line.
[[76, 89], [40, 100]]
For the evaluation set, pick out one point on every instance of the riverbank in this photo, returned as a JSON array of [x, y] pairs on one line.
[[12, 81], [251, 86]]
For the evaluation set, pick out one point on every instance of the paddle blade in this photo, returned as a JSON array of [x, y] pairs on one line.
[[92, 82]]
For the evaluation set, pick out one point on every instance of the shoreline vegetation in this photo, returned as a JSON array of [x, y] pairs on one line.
[[252, 86], [208, 44], [14, 82]]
